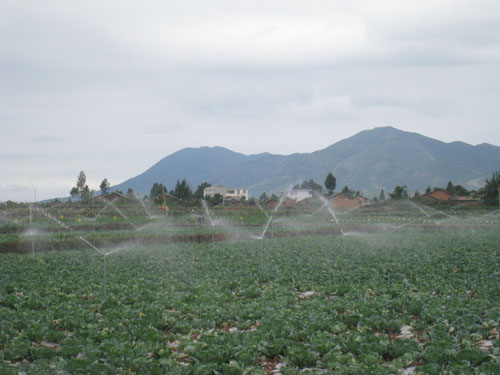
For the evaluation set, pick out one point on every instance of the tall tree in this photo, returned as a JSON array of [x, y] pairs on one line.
[[87, 195], [81, 190], [450, 188], [198, 194], [182, 190], [330, 183], [381, 196], [460, 190], [104, 187], [157, 192], [130, 193], [491, 191], [348, 192], [310, 185], [263, 198], [216, 199], [399, 192]]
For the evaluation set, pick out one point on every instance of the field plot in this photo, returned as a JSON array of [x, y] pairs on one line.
[[383, 293], [61, 227]]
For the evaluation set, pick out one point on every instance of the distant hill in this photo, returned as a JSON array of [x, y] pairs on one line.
[[368, 161]]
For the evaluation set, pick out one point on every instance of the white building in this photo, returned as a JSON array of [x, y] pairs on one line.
[[298, 195], [225, 192]]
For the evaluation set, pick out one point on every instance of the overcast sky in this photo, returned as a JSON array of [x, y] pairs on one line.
[[111, 87]]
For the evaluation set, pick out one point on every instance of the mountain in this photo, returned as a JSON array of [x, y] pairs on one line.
[[371, 160]]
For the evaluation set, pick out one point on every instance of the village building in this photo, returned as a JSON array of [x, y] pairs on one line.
[[304, 203], [439, 194], [225, 192], [231, 202], [342, 201], [285, 203], [465, 201], [298, 195], [272, 202], [289, 203], [113, 197]]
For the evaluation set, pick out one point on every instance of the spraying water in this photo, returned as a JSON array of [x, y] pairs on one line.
[[81, 238], [318, 210], [100, 212], [279, 203], [261, 209], [32, 238], [156, 226], [104, 255], [330, 210], [270, 218], [261, 238], [121, 213], [138, 198], [50, 217], [68, 229], [493, 214], [265, 228], [420, 208], [91, 245], [440, 212], [205, 206], [123, 246]]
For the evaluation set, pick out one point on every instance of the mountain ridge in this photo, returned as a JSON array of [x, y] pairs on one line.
[[370, 160]]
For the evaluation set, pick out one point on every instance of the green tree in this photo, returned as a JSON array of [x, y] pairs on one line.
[[87, 195], [182, 190], [309, 185], [491, 190], [381, 196], [348, 192], [460, 190], [81, 190], [198, 194], [157, 192], [216, 199], [104, 187], [450, 188], [330, 183], [399, 192], [130, 193], [428, 190], [263, 198]]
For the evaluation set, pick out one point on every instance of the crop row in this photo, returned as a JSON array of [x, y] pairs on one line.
[[372, 303]]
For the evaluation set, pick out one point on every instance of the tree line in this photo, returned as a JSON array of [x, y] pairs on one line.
[[184, 195]]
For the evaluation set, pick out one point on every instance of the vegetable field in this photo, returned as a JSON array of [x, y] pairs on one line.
[[381, 294]]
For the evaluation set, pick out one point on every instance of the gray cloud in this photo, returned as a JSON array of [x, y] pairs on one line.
[[110, 88]]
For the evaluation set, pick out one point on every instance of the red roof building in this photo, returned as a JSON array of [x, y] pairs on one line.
[[342, 201]]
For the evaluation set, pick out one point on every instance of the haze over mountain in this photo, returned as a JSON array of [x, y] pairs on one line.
[[371, 160]]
